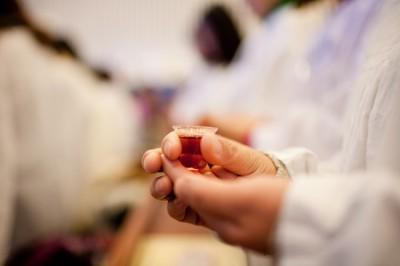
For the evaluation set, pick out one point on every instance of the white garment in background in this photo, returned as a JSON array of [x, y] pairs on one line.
[[354, 218], [190, 103], [253, 78], [53, 117], [257, 83], [320, 83]]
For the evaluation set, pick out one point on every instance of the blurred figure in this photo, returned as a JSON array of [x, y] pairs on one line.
[[217, 37], [309, 90], [319, 85], [287, 30], [60, 129], [265, 57], [218, 40]]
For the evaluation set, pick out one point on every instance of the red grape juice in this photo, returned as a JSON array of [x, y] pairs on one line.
[[191, 153]]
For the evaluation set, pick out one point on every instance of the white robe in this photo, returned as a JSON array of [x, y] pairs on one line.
[[59, 128], [261, 64], [353, 218], [318, 85]]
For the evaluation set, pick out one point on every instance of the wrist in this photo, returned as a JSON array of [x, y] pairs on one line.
[[280, 168]]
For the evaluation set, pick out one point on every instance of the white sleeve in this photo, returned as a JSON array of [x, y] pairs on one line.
[[7, 165], [298, 161], [313, 127], [341, 221]]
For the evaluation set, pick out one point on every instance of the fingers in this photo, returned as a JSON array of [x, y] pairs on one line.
[[176, 169], [151, 161], [171, 146], [161, 188], [198, 191], [178, 210], [223, 174], [235, 157]]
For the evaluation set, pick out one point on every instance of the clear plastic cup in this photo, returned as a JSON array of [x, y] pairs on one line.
[[190, 137]]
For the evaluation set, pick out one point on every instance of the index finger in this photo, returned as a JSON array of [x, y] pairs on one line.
[[196, 190], [171, 146]]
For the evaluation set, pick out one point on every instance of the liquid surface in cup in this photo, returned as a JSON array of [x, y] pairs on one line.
[[191, 153]]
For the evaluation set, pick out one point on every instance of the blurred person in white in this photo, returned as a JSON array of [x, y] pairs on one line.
[[314, 218], [217, 38], [60, 128], [260, 83], [285, 31], [321, 85], [309, 92]]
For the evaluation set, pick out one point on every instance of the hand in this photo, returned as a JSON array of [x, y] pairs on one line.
[[243, 211], [230, 160]]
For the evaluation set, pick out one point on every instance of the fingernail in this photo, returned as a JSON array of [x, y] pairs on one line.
[[216, 145], [167, 147], [158, 189], [144, 158]]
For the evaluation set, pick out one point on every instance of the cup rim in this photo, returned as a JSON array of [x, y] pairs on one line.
[[193, 130]]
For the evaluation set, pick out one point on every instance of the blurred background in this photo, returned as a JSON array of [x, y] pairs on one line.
[[87, 86], [97, 79], [117, 35]]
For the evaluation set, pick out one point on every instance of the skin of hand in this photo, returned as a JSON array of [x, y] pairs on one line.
[[229, 198], [261, 7], [235, 126]]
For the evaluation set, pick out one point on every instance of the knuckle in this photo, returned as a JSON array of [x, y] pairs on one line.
[[237, 155], [186, 190], [255, 163], [230, 152], [181, 187], [265, 166]]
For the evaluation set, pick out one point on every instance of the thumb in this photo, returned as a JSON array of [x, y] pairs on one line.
[[235, 157]]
